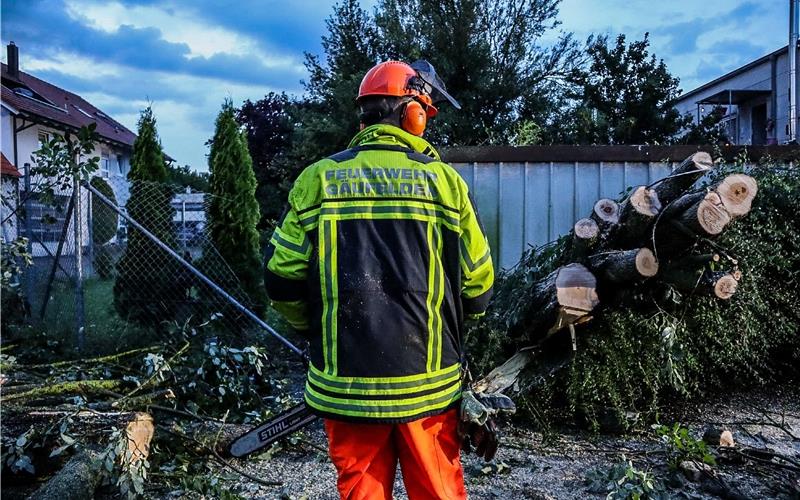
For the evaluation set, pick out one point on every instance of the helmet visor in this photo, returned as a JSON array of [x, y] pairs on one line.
[[434, 86]]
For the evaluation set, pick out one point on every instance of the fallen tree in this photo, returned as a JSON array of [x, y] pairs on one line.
[[669, 262]]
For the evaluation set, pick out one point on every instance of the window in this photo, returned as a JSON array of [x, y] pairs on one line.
[[44, 138], [104, 164]]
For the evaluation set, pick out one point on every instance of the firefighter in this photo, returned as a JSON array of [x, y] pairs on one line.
[[377, 261]]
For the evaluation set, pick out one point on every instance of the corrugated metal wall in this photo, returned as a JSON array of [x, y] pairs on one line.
[[532, 203]]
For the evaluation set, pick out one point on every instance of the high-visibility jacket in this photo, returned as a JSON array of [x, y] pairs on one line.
[[379, 257]]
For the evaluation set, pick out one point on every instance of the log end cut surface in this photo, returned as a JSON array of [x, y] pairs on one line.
[[607, 210], [586, 229], [711, 215], [737, 192], [725, 287], [645, 201], [702, 161], [646, 263], [576, 288]]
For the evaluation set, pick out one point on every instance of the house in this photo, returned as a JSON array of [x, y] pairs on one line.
[[754, 101], [33, 110], [190, 217]]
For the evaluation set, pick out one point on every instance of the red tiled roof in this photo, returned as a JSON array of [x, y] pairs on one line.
[[8, 168], [66, 108]]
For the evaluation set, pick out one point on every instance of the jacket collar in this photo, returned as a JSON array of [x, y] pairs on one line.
[[389, 134]]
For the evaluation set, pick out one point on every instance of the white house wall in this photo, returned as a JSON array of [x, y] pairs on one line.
[[6, 134], [28, 143], [756, 78]]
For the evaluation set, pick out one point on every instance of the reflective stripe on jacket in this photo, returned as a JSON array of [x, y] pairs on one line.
[[378, 257]]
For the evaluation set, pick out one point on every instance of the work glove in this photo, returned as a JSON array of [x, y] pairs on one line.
[[476, 425]]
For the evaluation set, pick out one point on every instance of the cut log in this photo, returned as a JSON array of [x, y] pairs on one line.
[[605, 212], [736, 193], [683, 177], [564, 296], [624, 266], [636, 215], [77, 480], [584, 238], [80, 476], [87, 425], [707, 217], [718, 284]]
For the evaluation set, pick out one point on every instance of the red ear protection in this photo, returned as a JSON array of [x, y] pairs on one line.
[[414, 118]]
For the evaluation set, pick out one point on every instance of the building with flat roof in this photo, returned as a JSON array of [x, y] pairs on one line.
[[753, 101]]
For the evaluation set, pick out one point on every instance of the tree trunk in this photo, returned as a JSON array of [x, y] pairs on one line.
[[683, 177], [584, 237], [720, 284], [636, 215], [624, 266], [564, 296], [736, 193], [605, 213], [77, 480], [707, 217], [79, 477]]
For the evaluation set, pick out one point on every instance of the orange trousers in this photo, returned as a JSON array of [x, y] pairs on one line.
[[428, 449]]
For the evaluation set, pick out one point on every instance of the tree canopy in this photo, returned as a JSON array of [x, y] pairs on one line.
[[626, 96]]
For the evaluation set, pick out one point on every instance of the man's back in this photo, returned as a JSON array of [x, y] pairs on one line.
[[391, 256]]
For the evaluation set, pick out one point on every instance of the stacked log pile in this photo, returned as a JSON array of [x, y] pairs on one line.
[[654, 235]]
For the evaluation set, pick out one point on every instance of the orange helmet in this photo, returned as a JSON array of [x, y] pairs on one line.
[[395, 78]]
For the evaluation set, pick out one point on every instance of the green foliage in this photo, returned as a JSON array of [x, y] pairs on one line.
[[122, 466], [233, 211], [57, 164], [104, 219], [708, 130], [146, 290], [269, 125], [186, 177], [14, 258], [626, 96], [147, 163], [623, 481], [224, 377], [667, 344], [498, 79], [16, 455], [680, 446], [329, 118]]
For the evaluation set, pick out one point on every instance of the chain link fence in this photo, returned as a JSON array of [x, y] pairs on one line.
[[104, 272]]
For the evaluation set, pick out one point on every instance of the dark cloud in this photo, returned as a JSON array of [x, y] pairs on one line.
[[130, 86], [31, 23], [289, 26]]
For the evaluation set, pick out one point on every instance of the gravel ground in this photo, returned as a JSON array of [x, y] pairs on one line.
[[527, 468]]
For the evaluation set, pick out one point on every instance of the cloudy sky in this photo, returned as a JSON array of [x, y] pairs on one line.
[[186, 56]]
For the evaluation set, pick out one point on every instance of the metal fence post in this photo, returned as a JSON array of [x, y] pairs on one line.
[[78, 228], [183, 223], [29, 273], [90, 234]]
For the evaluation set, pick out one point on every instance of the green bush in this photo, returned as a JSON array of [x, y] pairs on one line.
[[668, 345], [146, 289], [104, 218]]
